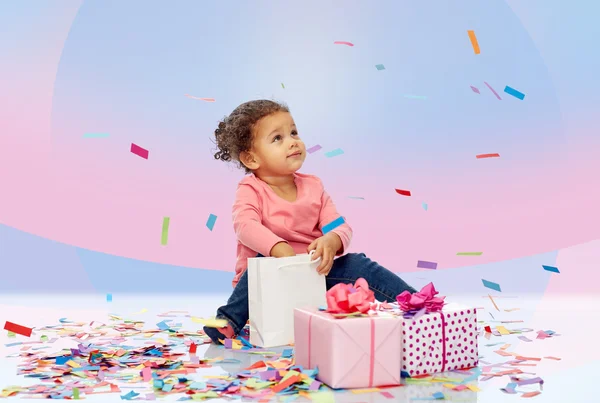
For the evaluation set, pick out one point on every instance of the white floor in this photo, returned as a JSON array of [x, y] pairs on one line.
[[573, 317]]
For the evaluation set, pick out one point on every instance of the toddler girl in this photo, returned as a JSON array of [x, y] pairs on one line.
[[279, 212]]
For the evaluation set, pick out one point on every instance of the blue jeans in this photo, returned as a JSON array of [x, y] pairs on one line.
[[346, 269]]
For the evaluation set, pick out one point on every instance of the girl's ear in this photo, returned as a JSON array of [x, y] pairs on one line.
[[249, 160]]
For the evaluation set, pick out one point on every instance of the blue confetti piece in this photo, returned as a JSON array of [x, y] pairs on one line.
[[62, 360], [95, 135], [162, 325], [551, 268], [212, 219], [131, 395], [108, 297], [438, 395], [333, 225], [425, 206], [334, 153], [380, 67], [491, 285], [287, 353], [514, 93]]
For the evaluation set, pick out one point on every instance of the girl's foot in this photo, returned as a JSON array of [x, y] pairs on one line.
[[219, 333]]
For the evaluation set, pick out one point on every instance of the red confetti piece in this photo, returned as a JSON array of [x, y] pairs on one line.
[[343, 43], [403, 192], [193, 348], [488, 329], [487, 155], [13, 327], [137, 150]]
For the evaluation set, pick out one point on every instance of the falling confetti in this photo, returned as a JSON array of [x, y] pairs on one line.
[[95, 135], [139, 151], [475, 89], [200, 99], [313, 149], [343, 43], [491, 89], [334, 153], [380, 67], [480, 156], [403, 192], [474, 43], [165, 231], [210, 223]]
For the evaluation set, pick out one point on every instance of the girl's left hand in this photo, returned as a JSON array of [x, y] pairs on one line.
[[326, 248]]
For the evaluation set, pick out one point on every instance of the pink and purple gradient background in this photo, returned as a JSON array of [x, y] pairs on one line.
[[123, 69]]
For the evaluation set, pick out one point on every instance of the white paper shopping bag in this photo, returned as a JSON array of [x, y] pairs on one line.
[[276, 286]]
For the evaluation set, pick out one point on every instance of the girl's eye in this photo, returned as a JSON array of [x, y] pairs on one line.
[[294, 133], [278, 137]]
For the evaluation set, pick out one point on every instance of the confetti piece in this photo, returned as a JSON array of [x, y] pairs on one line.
[[493, 302], [422, 97], [139, 151], [474, 43], [18, 329], [334, 153], [426, 265], [551, 268], [514, 93], [356, 197], [469, 253], [525, 339], [361, 391], [200, 99], [425, 206], [491, 285], [530, 394], [75, 393], [282, 86], [108, 297], [380, 67], [491, 89], [210, 224], [511, 309], [332, 225], [553, 358], [313, 149], [165, 231], [475, 89], [403, 192], [438, 395], [473, 388], [95, 135], [343, 43], [147, 374], [193, 348], [503, 331], [480, 156], [12, 334], [387, 395]]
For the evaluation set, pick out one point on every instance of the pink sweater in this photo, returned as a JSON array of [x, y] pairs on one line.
[[261, 218]]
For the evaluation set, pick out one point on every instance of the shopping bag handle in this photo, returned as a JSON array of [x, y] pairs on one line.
[[311, 253]]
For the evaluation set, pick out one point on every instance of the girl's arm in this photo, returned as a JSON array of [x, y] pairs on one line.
[[328, 214], [247, 222]]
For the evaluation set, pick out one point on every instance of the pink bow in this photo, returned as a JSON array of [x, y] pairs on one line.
[[345, 298], [426, 298]]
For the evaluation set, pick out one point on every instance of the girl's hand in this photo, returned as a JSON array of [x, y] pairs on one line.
[[326, 248]]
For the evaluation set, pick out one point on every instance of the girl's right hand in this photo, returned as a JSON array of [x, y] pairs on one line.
[[282, 249]]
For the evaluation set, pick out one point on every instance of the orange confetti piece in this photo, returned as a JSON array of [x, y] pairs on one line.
[[553, 358], [530, 394], [494, 155], [494, 302], [474, 43]]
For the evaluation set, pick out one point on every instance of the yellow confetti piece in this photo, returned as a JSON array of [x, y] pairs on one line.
[[504, 347], [360, 391], [511, 309], [473, 388], [216, 376], [161, 341], [449, 386], [210, 322], [144, 310], [502, 330], [73, 364]]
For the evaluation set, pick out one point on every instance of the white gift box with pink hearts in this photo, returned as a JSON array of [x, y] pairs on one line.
[[440, 341]]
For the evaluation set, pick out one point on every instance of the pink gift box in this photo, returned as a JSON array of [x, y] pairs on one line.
[[359, 352], [450, 333]]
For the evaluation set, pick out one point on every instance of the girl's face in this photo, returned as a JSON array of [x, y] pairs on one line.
[[276, 147]]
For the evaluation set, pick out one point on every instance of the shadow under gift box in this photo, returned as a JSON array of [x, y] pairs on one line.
[[359, 352]]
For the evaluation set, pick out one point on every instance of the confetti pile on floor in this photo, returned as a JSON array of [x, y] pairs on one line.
[[122, 357]]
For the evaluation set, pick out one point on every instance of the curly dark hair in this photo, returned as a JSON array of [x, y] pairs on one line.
[[234, 134]]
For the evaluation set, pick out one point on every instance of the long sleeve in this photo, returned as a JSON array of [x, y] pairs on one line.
[[247, 222], [328, 214]]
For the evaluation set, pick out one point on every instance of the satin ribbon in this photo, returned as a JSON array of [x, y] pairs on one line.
[[371, 348], [346, 298], [426, 298]]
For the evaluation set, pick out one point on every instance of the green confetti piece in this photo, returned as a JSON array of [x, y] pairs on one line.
[[12, 334], [75, 393], [469, 253], [44, 338], [423, 97], [165, 231], [282, 86]]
